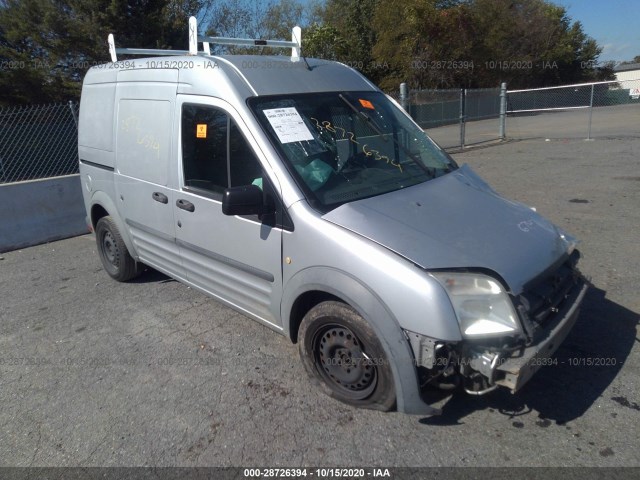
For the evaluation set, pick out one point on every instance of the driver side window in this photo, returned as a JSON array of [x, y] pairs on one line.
[[215, 154]]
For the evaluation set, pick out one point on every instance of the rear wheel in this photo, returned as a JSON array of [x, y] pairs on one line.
[[343, 356], [113, 252]]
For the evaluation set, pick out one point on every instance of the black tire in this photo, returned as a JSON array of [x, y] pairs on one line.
[[343, 356], [113, 252]]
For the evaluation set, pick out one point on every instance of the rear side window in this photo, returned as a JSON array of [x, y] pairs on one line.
[[215, 154]]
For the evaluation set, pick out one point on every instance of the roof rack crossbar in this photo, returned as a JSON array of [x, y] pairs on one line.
[[247, 42], [150, 51], [295, 44]]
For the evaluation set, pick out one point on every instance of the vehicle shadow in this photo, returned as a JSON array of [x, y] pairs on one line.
[[588, 361], [151, 275]]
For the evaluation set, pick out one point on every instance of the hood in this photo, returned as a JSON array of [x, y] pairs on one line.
[[458, 221]]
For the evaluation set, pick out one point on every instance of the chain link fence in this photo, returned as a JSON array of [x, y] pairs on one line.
[[38, 141], [588, 110], [41, 141], [456, 118], [459, 118]]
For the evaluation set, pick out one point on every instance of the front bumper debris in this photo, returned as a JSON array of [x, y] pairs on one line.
[[515, 371], [481, 369]]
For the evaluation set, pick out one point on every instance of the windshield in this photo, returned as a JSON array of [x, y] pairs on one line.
[[347, 146]]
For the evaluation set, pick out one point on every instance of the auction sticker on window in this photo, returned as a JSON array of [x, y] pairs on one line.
[[288, 124]]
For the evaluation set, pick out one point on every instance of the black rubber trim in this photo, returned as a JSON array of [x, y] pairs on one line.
[[215, 256], [201, 192], [229, 261], [97, 165], [152, 231]]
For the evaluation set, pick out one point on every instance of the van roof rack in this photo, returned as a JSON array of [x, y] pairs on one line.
[[295, 44]]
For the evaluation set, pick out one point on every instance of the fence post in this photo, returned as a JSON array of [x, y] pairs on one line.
[[463, 94], [404, 97], [73, 113], [503, 110], [590, 113]]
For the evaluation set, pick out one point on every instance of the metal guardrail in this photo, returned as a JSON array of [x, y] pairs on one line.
[[38, 141]]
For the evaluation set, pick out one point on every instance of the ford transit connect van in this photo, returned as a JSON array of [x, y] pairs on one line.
[[296, 192]]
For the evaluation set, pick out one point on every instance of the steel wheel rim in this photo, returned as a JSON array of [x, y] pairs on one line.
[[110, 249], [342, 361]]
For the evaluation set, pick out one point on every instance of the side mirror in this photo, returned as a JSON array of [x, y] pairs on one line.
[[244, 200]]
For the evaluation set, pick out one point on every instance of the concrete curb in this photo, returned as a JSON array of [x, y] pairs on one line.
[[41, 211]]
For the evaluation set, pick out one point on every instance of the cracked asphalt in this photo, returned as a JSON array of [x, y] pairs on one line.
[[152, 373]]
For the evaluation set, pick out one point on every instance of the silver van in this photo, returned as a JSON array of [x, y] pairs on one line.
[[296, 192]]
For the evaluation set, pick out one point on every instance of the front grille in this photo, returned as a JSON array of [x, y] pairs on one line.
[[545, 297]]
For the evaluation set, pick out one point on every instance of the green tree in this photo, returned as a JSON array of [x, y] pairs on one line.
[[530, 43], [323, 41], [49, 44], [434, 44], [426, 43], [281, 17], [230, 18], [347, 34]]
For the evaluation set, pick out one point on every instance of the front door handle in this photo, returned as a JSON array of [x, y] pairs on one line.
[[185, 205], [160, 197]]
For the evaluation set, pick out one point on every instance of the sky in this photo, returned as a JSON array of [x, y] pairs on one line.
[[614, 24]]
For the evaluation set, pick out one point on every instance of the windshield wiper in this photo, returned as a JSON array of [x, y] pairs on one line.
[[374, 126]]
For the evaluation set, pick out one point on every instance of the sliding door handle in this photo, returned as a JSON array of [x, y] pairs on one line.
[[185, 205], [160, 197]]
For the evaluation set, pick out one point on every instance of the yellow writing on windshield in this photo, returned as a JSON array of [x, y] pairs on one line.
[[376, 156], [369, 152]]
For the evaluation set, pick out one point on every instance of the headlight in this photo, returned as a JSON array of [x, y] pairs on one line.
[[570, 242], [482, 306]]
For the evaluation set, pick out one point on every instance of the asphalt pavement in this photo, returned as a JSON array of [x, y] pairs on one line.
[[153, 373]]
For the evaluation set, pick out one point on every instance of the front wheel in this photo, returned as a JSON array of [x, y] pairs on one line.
[[343, 356], [113, 252]]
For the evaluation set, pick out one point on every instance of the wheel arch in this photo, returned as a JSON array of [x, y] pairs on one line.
[[302, 304], [102, 206], [97, 212], [311, 286]]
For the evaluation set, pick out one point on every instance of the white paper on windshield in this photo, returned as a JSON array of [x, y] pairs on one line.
[[288, 124]]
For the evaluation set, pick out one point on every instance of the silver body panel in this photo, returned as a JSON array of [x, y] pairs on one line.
[[145, 109], [232, 258], [374, 254], [456, 221]]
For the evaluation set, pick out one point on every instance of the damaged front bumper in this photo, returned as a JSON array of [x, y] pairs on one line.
[[517, 369], [481, 369]]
